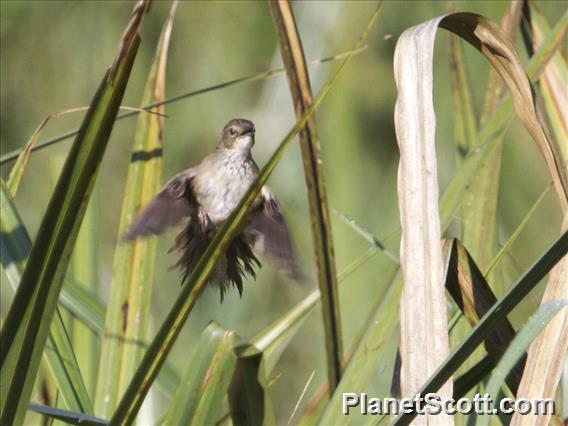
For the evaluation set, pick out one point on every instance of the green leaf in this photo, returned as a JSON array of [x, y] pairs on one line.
[[85, 306], [274, 339], [519, 346], [512, 238], [248, 400], [25, 330], [127, 315], [199, 398], [364, 361], [493, 318], [59, 354], [67, 416], [170, 328]]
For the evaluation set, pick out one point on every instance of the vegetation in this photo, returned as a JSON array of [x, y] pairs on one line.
[[98, 331]]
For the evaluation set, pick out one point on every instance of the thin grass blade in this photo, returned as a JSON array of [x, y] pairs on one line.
[[514, 235], [85, 269], [252, 77], [26, 327], [554, 81], [518, 347], [19, 166], [292, 53], [547, 353], [59, 355], [367, 354], [479, 208], [127, 315]]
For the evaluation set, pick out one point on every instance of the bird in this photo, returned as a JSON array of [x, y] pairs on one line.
[[205, 196]]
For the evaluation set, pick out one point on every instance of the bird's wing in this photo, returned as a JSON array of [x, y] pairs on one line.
[[174, 202], [272, 237]]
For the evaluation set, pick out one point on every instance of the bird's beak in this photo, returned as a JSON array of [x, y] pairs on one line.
[[249, 131]]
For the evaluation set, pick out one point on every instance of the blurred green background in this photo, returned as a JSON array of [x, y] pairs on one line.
[[53, 55]]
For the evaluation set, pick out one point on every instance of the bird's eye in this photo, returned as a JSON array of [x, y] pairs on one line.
[[232, 131]]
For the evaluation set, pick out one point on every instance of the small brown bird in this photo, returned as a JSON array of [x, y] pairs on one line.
[[207, 194]]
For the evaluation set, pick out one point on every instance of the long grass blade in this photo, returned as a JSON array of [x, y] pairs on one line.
[[364, 360], [493, 318], [170, 328], [19, 166], [84, 269], [127, 315], [246, 79], [554, 81], [547, 353], [199, 397], [292, 53], [519, 345], [26, 327], [59, 355]]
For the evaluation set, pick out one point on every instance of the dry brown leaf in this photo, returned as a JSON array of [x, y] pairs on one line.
[[424, 341], [424, 334]]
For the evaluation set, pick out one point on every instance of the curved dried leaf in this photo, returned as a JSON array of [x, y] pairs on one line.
[[418, 188]]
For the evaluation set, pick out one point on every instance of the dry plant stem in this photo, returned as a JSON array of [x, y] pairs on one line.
[[296, 70], [19, 166], [134, 111], [547, 353], [424, 342]]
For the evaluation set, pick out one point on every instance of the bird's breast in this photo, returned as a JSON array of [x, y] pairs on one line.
[[220, 188]]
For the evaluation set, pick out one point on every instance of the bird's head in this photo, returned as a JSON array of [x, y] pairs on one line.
[[238, 134]]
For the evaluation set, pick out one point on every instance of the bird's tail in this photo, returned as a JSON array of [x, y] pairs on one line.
[[233, 265]]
